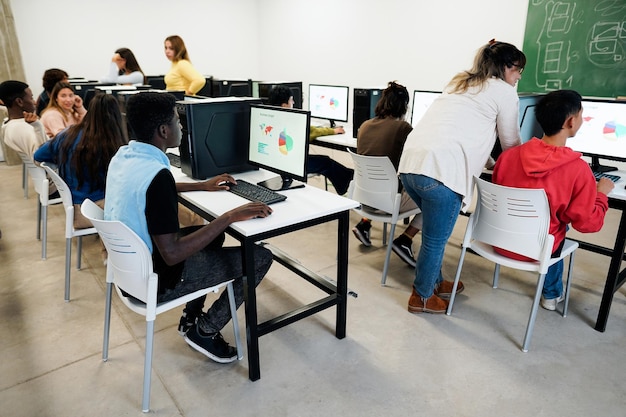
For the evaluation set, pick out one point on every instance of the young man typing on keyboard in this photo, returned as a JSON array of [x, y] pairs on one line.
[[573, 195], [141, 193]]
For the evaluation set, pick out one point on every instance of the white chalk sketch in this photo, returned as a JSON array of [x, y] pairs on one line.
[[602, 25]]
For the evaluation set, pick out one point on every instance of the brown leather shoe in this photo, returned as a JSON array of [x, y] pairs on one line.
[[434, 304], [444, 289]]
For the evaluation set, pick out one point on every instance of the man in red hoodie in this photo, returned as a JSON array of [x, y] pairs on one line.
[[547, 163]]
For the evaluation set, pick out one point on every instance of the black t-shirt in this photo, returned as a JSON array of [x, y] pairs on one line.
[[162, 218]]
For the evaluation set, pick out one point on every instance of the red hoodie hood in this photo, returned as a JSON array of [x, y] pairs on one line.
[[539, 158]]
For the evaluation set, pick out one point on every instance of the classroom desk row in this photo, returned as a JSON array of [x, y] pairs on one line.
[[304, 207]]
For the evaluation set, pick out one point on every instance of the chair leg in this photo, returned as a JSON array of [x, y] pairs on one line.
[[233, 315], [392, 230], [533, 313], [147, 367], [25, 181], [44, 232], [79, 251], [568, 284], [68, 266], [107, 321], [496, 276], [384, 234], [456, 280], [38, 219]]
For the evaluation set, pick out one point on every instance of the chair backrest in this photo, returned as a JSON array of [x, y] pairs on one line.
[[38, 175], [375, 181], [129, 259], [62, 187], [515, 219]]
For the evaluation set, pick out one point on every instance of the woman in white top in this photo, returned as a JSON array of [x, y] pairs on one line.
[[448, 147], [124, 69]]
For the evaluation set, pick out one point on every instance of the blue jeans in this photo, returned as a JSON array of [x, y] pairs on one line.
[[553, 284], [440, 208]]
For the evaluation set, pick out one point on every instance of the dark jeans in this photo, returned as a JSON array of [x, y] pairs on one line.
[[209, 267], [339, 175]]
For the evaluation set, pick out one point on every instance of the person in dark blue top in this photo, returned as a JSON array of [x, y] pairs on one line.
[[83, 151]]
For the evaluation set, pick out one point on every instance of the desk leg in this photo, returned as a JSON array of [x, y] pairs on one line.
[[612, 278], [342, 274], [249, 293]]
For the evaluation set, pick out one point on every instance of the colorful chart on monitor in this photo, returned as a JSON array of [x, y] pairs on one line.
[[285, 143], [614, 131], [334, 103]]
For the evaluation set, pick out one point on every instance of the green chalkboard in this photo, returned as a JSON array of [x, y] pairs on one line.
[[576, 44]]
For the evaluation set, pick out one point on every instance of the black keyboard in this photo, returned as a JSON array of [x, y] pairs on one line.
[[174, 159], [612, 177], [255, 192]]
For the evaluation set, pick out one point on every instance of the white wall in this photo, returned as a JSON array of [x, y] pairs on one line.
[[360, 43], [80, 36]]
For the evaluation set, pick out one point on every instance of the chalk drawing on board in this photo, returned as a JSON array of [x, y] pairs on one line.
[[606, 45]]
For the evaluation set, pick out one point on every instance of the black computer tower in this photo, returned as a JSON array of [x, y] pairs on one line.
[[365, 100], [216, 134]]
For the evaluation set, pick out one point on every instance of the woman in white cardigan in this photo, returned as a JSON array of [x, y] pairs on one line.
[[448, 147]]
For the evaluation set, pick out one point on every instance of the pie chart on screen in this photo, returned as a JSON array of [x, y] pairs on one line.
[[614, 131], [285, 143]]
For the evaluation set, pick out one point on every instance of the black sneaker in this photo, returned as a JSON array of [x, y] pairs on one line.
[[211, 345], [403, 248], [362, 232], [186, 323]]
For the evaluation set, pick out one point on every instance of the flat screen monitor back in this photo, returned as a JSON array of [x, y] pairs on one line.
[[215, 137], [264, 89]]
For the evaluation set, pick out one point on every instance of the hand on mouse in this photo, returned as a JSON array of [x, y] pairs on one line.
[[220, 182]]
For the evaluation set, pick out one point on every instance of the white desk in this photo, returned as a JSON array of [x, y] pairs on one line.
[[338, 142], [303, 208]]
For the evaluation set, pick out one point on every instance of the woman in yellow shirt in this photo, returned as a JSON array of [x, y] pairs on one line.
[[182, 75]]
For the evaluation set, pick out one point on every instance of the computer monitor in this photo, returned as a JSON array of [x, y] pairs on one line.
[[261, 89], [231, 88], [603, 132], [329, 102], [421, 102], [156, 81], [279, 142], [528, 125]]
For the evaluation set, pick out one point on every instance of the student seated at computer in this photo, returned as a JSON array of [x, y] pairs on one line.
[[50, 78], [182, 76], [124, 69], [339, 175], [384, 135], [64, 109], [141, 193], [573, 195]]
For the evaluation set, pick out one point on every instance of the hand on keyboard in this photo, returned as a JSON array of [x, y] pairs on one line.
[[605, 185]]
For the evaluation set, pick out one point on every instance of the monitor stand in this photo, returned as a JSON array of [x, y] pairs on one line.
[[596, 167], [281, 183], [332, 124]]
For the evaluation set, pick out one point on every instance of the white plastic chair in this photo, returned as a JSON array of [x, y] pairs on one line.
[[518, 220], [129, 268], [42, 188], [70, 231], [375, 184]]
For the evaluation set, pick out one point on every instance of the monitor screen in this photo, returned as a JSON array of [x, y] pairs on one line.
[[329, 102], [279, 142], [603, 132], [421, 102]]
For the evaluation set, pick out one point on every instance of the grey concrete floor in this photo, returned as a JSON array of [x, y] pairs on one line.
[[391, 363]]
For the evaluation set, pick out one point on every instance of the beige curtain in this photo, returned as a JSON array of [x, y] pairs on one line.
[[11, 67]]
